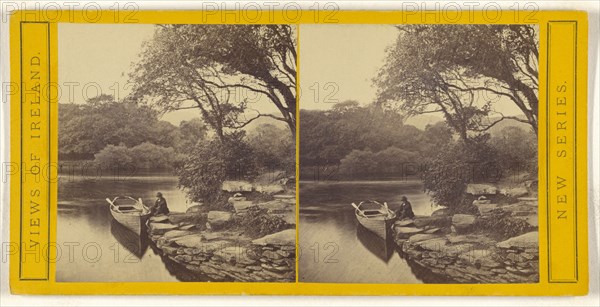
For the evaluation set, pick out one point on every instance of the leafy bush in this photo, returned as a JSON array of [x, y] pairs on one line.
[[391, 160], [257, 223], [210, 163], [274, 148], [143, 156], [517, 149], [501, 226], [448, 173], [113, 156]]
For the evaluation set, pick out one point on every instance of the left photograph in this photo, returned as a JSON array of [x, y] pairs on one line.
[[176, 150]]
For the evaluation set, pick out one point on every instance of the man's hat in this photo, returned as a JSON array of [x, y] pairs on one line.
[[404, 198], [158, 194]]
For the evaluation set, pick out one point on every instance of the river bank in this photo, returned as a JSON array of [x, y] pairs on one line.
[[497, 243], [236, 244]]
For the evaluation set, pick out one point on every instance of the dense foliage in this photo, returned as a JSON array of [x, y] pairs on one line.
[[329, 136], [463, 72], [273, 148], [257, 223], [221, 70], [209, 163], [85, 129], [457, 164]]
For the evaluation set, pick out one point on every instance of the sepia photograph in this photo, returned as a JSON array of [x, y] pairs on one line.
[[419, 154], [177, 153]]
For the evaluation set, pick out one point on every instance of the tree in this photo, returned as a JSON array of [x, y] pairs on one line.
[[218, 67], [85, 129], [273, 148], [455, 69], [191, 132]]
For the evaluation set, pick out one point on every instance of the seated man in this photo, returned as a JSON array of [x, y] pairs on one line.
[[405, 211], [160, 206]]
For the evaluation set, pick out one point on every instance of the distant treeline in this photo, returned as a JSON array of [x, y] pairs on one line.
[[119, 134], [353, 140]]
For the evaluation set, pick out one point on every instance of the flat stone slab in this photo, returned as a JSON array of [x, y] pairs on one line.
[[485, 209], [514, 192], [176, 218], [481, 189], [232, 253], [192, 240], [527, 240], [172, 234], [159, 219], [286, 237], [409, 230], [462, 222], [433, 230], [455, 239], [160, 228], [241, 205], [236, 186], [434, 244], [441, 212], [276, 206], [284, 196], [218, 218], [421, 237], [404, 223], [270, 188]]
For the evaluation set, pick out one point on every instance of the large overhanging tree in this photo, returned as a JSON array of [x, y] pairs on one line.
[[221, 69], [462, 71]]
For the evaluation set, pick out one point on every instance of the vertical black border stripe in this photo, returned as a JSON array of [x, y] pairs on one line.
[[21, 152]]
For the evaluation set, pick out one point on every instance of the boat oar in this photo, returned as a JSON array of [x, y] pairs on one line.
[[358, 209]]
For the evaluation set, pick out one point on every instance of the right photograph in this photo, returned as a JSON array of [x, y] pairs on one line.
[[418, 154]]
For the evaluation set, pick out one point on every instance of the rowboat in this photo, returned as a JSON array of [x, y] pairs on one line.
[[375, 217], [129, 212]]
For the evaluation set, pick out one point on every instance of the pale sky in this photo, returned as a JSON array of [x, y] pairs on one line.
[[350, 56], [341, 57], [99, 57]]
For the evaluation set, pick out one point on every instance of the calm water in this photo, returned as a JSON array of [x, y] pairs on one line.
[[94, 247], [335, 248]]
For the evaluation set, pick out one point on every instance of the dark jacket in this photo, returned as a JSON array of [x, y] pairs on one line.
[[160, 206], [405, 211]]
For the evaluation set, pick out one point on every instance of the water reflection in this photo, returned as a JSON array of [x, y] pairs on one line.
[[382, 249], [327, 220], [136, 245]]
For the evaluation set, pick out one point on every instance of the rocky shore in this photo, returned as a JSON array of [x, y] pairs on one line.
[[217, 246], [479, 247]]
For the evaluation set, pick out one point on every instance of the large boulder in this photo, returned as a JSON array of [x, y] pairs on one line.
[[406, 232], [463, 222], [218, 219], [236, 186], [481, 189], [441, 212], [528, 240], [286, 237]]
